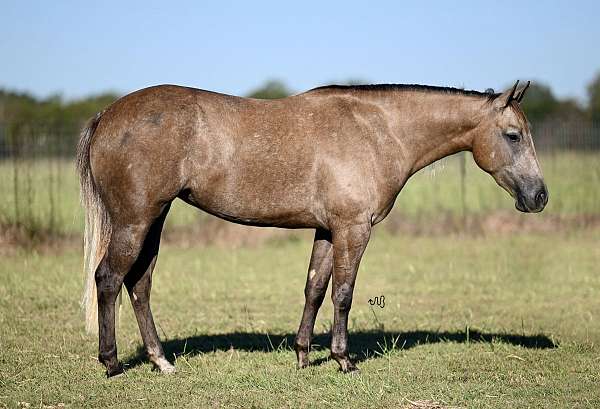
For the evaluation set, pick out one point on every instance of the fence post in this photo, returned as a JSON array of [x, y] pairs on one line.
[[463, 187]]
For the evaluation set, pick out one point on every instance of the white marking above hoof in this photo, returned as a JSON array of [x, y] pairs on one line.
[[164, 366], [168, 369]]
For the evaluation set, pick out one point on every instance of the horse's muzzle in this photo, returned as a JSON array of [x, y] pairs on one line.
[[532, 203]]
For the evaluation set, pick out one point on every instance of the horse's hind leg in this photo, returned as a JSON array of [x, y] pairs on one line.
[[319, 272], [126, 241], [138, 283]]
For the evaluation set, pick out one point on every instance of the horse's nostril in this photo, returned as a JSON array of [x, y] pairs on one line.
[[541, 198]]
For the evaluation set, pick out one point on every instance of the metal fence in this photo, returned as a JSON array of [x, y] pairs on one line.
[[39, 188], [47, 141], [560, 135]]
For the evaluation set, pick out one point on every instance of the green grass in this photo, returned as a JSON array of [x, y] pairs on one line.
[[496, 322], [47, 192]]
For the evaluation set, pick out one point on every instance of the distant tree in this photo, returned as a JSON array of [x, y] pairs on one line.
[[14, 106], [355, 81], [540, 105], [18, 108], [350, 81], [272, 89], [571, 110], [594, 98], [22, 116], [83, 109], [539, 102]]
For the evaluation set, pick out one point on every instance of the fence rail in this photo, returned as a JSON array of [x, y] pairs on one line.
[[46, 140], [558, 135], [39, 188]]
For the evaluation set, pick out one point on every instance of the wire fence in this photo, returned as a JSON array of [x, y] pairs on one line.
[[551, 136], [39, 187]]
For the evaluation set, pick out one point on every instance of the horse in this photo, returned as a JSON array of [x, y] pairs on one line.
[[332, 159]]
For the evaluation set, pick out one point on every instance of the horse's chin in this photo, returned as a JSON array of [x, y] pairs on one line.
[[521, 207]]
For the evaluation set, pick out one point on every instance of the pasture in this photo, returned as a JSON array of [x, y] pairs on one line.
[[488, 318], [490, 322]]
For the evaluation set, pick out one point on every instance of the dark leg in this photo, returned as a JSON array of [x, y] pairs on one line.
[[349, 243], [123, 249], [138, 283], [319, 271]]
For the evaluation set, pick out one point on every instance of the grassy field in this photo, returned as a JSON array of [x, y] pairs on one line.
[[486, 322], [46, 192]]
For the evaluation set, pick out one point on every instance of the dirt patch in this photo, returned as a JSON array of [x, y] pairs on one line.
[[426, 404], [497, 223], [14, 238]]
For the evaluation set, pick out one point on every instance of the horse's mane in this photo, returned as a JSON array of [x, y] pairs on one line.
[[489, 94]]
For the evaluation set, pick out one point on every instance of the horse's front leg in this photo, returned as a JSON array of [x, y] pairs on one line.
[[349, 243]]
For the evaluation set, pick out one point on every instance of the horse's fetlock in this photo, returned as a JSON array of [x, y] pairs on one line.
[[110, 353], [301, 345], [339, 354]]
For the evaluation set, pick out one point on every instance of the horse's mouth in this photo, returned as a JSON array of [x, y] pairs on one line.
[[521, 203], [522, 207]]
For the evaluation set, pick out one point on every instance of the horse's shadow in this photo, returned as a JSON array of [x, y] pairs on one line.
[[363, 344]]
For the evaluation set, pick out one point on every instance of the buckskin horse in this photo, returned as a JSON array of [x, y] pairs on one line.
[[332, 159]]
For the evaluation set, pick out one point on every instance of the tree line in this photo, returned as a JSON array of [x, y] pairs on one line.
[[22, 113], [540, 104]]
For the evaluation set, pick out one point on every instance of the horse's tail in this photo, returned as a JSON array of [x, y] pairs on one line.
[[97, 225]]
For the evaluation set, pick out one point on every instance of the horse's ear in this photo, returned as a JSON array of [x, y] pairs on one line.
[[521, 93], [506, 97]]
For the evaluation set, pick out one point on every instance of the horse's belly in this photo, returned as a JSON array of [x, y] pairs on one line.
[[256, 208]]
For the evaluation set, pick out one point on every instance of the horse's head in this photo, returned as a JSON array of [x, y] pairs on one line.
[[503, 147]]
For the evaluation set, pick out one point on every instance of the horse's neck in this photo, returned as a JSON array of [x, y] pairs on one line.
[[436, 126]]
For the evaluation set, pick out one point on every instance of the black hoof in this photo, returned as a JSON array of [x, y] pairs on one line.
[[115, 371], [346, 365], [301, 356], [303, 361], [302, 365]]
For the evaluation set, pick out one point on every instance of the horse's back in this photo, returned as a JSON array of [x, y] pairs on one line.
[[278, 162]]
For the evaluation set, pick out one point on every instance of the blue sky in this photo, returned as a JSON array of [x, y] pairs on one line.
[[77, 48]]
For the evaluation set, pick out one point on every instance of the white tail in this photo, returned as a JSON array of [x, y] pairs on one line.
[[97, 228]]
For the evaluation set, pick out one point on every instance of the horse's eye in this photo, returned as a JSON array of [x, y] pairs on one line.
[[513, 136]]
